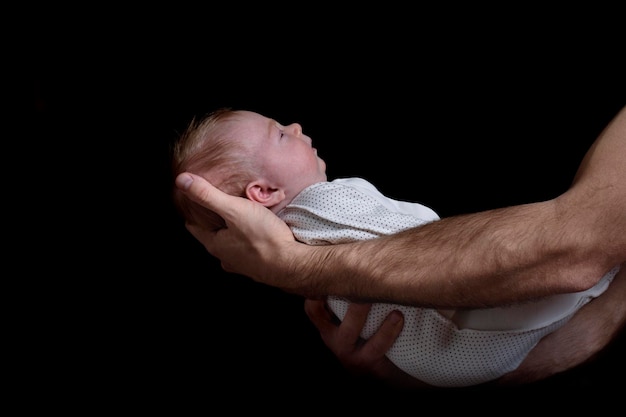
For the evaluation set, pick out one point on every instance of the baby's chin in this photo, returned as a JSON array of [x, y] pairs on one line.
[[322, 165]]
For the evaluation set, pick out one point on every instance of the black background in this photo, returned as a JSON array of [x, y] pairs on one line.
[[477, 119]]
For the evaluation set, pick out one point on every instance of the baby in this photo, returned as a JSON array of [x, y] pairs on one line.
[[249, 155]]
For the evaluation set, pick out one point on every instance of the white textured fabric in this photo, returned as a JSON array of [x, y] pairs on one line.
[[439, 348]]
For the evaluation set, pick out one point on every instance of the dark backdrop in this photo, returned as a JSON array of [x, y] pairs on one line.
[[149, 315]]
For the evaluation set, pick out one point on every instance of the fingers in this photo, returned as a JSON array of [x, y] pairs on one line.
[[385, 336], [349, 331], [343, 339], [321, 318]]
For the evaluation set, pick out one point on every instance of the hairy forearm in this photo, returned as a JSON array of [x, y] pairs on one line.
[[489, 258]]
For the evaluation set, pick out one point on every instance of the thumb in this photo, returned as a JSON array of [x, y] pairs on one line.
[[206, 194]]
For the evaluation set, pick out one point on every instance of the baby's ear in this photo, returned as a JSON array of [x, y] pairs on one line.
[[264, 194]]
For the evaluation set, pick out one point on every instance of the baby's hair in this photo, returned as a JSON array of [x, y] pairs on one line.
[[208, 148]]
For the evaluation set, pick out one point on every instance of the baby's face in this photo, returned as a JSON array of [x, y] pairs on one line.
[[286, 154]]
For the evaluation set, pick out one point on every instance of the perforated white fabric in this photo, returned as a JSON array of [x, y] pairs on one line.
[[479, 345]]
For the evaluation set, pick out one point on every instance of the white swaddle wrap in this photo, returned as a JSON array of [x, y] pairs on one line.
[[480, 344]]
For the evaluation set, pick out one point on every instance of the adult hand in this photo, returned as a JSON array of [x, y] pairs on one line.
[[580, 340], [253, 235], [359, 356]]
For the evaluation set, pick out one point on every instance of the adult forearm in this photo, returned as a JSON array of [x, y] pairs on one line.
[[489, 258], [474, 260]]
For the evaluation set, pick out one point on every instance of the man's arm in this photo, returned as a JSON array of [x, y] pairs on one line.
[[580, 340], [482, 259], [360, 357]]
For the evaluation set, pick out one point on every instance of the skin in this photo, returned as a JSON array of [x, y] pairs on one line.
[[280, 178], [572, 241], [589, 331]]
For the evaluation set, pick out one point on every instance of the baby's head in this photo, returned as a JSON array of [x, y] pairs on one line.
[[248, 155]]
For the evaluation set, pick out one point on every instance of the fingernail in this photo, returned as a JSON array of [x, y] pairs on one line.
[[183, 181], [395, 317]]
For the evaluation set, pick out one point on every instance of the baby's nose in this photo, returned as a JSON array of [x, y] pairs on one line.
[[297, 129]]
